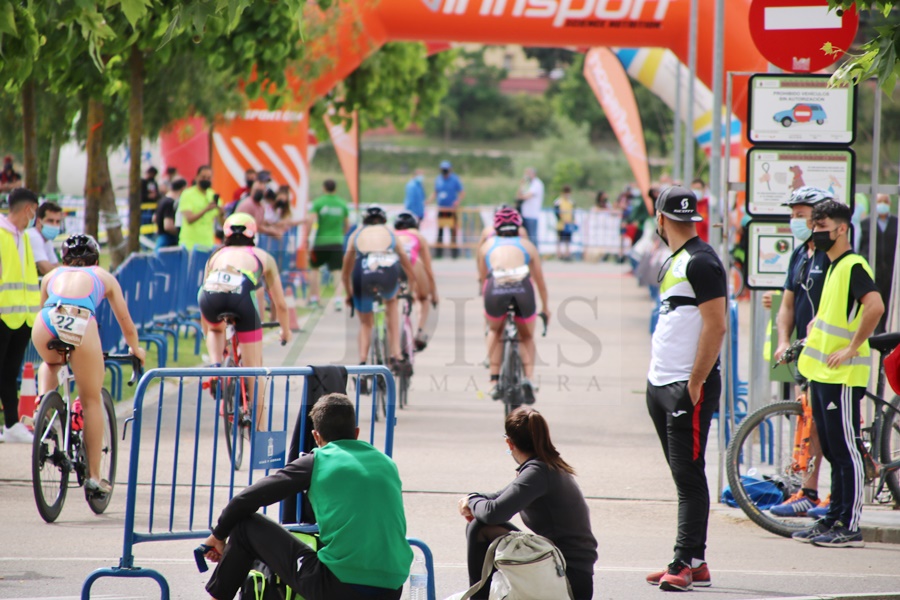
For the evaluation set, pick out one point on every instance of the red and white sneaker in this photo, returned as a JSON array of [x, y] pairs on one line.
[[699, 576]]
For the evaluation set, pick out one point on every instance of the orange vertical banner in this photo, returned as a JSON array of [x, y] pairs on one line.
[[346, 146], [608, 79]]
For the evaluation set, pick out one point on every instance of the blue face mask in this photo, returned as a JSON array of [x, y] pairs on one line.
[[420, 178], [801, 230], [50, 232], [883, 209]]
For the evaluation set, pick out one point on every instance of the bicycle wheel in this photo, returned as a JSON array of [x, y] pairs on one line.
[[109, 456], [761, 454], [890, 447], [234, 441], [49, 463], [376, 358], [511, 378], [403, 380]]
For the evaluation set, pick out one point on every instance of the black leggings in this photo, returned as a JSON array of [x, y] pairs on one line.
[[13, 343], [479, 537]]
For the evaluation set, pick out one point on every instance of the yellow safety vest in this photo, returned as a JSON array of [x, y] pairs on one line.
[[20, 293], [832, 332]]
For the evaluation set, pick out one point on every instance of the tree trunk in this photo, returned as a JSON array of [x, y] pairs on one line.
[[29, 135], [99, 197], [135, 130], [52, 186]]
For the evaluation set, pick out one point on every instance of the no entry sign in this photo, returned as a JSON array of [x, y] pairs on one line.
[[790, 33]]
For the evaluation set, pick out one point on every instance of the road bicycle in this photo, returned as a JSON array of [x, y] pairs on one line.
[[407, 344], [770, 450], [509, 386], [236, 397], [58, 446]]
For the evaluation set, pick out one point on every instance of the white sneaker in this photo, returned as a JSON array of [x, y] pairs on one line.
[[338, 304], [17, 434]]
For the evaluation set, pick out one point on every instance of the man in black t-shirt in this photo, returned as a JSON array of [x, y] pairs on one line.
[[164, 217]]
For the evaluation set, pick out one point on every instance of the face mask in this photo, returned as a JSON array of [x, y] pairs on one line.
[[801, 230], [50, 232], [257, 195], [445, 172], [661, 234], [883, 209], [822, 240], [31, 221], [204, 184], [420, 178]]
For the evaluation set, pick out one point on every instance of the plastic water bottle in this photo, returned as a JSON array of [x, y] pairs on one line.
[[418, 580], [77, 415]]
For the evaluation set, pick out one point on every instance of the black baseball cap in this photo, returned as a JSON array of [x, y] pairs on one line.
[[678, 204]]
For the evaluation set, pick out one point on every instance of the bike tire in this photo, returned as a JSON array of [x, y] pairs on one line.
[[49, 470], [511, 379], [109, 457], [234, 441], [746, 443], [377, 358], [890, 447], [403, 380]]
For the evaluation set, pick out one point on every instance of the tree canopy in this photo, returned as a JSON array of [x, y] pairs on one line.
[[878, 57]]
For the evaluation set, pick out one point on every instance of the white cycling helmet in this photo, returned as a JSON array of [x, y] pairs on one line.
[[808, 195]]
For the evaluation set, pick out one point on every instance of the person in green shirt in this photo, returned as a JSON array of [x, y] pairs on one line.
[[355, 492], [332, 214], [198, 209]]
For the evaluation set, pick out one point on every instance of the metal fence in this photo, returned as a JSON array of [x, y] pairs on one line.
[[180, 476]]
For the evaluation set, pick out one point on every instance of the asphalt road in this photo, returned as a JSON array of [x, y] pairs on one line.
[[448, 442]]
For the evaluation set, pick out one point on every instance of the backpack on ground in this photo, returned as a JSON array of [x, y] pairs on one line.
[[263, 584], [529, 567]]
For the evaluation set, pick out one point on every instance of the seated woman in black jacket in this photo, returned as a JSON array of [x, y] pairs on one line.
[[544, 492]]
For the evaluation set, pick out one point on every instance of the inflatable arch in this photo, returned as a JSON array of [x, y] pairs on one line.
[[357, 29]]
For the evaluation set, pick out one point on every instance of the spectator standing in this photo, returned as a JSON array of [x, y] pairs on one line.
[[199, 207], [149, 187], [249, 180], [532, 198], [698, 186], [164, 217], [9, 178], [47, 225], [252, 204], [885, 249], [565, 223], [355, 491], [683, 382], [601, 202], [165, 183], [449, 192], [20, 301], [837, 361], [332, 216], [414, 198]]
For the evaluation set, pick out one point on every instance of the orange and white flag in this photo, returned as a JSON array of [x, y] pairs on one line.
[[346, 146]]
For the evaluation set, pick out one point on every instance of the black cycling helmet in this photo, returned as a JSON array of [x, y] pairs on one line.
[[808, 195], [82, 248], [374, 215], [406, 220]]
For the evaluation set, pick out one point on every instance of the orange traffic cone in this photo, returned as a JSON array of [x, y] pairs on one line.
[[27, 396]]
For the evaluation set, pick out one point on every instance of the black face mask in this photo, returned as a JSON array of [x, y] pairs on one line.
[[250, 183], [258, 196], [660, 233], [204, 184], [822, 240], [445, 172]]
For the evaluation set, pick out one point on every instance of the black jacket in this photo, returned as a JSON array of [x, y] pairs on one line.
[[885, 246]]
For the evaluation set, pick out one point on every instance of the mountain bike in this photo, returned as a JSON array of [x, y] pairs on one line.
[[770, 450], [237, 400], [58, 447], [511, 369]]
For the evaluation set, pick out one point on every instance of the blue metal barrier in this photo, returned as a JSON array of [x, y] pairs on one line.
[[177, 485], [170, 267], [135, 280]]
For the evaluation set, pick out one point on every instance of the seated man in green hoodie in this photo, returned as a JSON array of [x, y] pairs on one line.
[[354, 490]]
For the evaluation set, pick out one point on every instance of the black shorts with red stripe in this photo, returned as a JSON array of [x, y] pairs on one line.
[[683, 429]]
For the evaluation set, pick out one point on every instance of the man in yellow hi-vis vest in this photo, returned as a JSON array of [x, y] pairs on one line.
[[20, 298], [836, 361]]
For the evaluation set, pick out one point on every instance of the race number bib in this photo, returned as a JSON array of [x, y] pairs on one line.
[[70, 322], [510, 276], [226, 282], [379, 260]]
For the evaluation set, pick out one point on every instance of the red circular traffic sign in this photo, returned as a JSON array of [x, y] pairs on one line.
[[790, 33]]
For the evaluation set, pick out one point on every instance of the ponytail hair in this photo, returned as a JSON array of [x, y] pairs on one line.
[[529, 432]]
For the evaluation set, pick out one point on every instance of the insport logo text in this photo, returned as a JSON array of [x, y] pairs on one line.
[[560, 11]]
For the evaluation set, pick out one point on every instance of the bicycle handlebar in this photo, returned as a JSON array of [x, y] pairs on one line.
[[543, 317], [791, 354], [272, 325], [137, 369]]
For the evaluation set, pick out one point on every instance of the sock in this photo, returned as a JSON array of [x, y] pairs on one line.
[[696, 562], [811, 494]]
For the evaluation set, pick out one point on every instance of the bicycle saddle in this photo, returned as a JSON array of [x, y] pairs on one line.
[[60, 346], [884, 342], [228, 316]]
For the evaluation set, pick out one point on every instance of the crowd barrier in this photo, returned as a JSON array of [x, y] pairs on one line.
[[179, 482]]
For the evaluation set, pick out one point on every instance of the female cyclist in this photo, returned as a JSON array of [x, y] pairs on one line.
[[506, 266], [70, 296], [233, 283], [407, 228], [546, 496]]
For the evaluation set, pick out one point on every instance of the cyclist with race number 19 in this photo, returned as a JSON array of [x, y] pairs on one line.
[[507, 264]]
